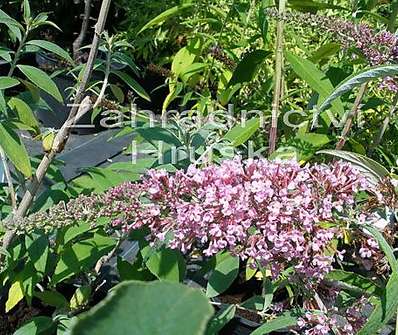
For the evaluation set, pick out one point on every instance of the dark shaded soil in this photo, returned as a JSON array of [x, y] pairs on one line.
[[16, 318]]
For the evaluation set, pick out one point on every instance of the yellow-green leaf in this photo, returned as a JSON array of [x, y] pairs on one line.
[[25, 113], [15, 150], [7, 82], [15, 295]]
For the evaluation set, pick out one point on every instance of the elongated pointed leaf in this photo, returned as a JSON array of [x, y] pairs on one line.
[[325, 51], [388, 251], [52, 47], [25, 113], [223, 316], [315, 78], [174, 11], [374, 171], [7, 82], [13, 25], [15, 295], [239, 134], [15, 150], [384, 310], [248, 67], [41, 80], [357, 80], [37, 325], [137, 88], [26, 10], [288, 319]]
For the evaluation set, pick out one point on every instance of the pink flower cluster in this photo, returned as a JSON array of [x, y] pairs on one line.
[[347, 321], [277, 213], [316, 324]]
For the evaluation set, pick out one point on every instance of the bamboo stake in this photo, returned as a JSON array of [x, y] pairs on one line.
[[278, 78]]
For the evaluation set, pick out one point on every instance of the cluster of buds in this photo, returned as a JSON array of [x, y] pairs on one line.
[[219, 54], [159, 70], [378, 47]]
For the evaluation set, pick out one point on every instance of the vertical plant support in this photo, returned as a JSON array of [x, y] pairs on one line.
[[61, 139], [278, 77]]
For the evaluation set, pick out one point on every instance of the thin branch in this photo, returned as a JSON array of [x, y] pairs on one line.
[[105, 259], [106, 80], [77, 44], [63, 135], [351, 116], [278, 78], [10, 184]]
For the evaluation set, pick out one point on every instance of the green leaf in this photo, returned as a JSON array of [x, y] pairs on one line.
[[75, 231], [222, 317], [224, 273], [14, 26], [26, 10], [52, 47], [133, 308], [325, 51], [118, 93], [41, 80], [37, 249], [25, 113], [285, 320], [315, 78], [239, 135], [314, 139], [52, 298], [355, 281], [191, 70], [15, 295], [8, 82], [158, 134], [255, 303], [248, 67], [174, 11], [134, 271], [356, 80], [182, 60], [263, 22], [374, 171], [5, 54], [268, 293], [384, 310], [166, 264], [80, 297], [81, 256], [137, 88], [15, 150], [39, 325]]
